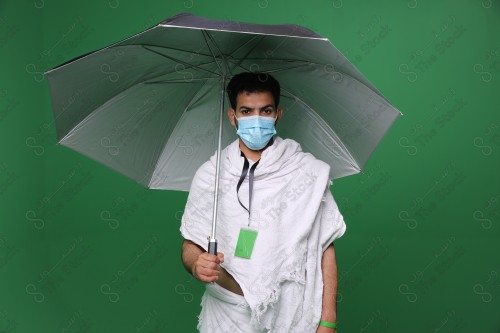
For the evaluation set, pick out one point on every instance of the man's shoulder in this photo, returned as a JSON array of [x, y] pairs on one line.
[[211, 162], [203, 177], [306, 157], [206, 172], [314, 163]]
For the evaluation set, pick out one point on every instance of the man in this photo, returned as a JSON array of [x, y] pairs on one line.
[[276, 269]]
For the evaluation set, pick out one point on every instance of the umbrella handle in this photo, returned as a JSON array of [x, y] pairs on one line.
[[212, 246]]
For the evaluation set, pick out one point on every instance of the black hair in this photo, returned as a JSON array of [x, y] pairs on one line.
[[252, 82]]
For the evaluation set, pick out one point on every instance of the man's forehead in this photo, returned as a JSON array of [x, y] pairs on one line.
[[254, 99]]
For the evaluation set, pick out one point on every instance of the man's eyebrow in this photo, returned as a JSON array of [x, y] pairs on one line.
[[262, 108], [267, 106]]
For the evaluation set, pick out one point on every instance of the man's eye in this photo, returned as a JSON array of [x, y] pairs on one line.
[[245, 111]]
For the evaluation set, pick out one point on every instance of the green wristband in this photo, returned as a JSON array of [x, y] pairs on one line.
[[327, 324]]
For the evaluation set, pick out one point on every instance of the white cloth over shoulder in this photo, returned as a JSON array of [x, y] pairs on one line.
[[296, 218]]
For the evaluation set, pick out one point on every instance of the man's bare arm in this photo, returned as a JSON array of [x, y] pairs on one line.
[[329, 269], [202, 265], [190, 253], [206, 267]]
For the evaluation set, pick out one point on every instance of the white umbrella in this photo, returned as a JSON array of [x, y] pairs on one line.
[[147, 106]]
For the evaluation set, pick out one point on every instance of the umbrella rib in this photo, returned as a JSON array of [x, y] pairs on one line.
[[175, 49], [207, 34], [173, 131], [220, 52], [277, 69], [249, 51], [180, 81], [210, 49], [179, 61], [342, 74], [320, 120], [177, 80], [284, 60], [194, 96]]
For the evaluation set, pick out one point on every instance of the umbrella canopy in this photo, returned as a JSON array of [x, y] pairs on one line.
[[150, 105]]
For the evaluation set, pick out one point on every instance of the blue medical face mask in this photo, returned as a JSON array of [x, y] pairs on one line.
[[256, 131]]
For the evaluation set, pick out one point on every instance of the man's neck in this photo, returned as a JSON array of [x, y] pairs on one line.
[[253, 155]]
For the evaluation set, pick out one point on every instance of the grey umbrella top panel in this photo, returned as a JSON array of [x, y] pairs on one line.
[[192, 21], [186, 20]]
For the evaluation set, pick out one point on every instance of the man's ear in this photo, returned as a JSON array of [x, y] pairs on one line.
[[280, 114], [230, 114]]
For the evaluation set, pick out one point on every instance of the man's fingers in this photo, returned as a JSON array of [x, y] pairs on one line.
[[212, 265], [209, 257], [207, 266], [210, 271], [208, 263], [207, 275], [210, 275], [212, 257], [207, 269]]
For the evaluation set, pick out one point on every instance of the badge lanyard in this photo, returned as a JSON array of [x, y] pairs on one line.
[[250, 184], [247, 236]]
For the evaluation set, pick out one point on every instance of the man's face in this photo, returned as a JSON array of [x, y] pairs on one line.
[[254, 104]]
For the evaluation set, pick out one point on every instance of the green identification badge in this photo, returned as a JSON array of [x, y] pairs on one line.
[[246, 240]]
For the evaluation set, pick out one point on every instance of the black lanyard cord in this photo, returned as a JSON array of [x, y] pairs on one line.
[[244, 172]]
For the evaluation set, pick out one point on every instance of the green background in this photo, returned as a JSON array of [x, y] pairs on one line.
[[421, 250]]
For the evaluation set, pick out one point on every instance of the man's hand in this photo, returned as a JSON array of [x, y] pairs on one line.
[[206, 268], [323, 329]]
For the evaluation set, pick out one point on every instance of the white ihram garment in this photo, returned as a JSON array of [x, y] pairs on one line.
[[296, 218]]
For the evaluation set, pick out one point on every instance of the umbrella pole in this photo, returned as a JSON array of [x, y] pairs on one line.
[[212, 242]]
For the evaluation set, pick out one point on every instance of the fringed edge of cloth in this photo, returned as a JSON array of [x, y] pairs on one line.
[[274, 296]]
